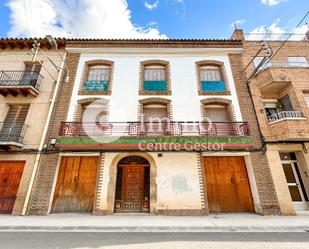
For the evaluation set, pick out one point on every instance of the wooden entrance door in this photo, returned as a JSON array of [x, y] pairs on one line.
[[76, 184], [227, 185], [10, 175], [132, 194]]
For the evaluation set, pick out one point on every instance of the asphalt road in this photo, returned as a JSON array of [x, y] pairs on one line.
[[66, 240]]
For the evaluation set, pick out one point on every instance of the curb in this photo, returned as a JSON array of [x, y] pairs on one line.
[[153, 229]]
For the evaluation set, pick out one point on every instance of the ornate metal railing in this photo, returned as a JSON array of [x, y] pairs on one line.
[[12, 132], [155, 129], [285, 64], [20, 79], [285, 114]]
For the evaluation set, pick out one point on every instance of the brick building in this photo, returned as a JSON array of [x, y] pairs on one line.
[[280, 93], [109, 151], [27, 86]]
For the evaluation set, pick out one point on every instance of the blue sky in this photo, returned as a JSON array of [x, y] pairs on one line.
[[147, 18]]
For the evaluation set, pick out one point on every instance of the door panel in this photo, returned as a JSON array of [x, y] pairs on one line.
[[10, 176], [293, 181], [132, 188], [227, 185], [76, 184]]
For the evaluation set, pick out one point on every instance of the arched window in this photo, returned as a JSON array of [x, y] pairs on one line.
[[154, 78], [97, 77], [211, 78]]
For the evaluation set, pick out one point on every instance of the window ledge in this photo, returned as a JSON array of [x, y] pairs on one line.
[[155, 92], [214, 93], [81, 92]]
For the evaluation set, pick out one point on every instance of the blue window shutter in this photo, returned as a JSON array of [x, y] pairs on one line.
[[155, 85], [95, 86], [213, 86]]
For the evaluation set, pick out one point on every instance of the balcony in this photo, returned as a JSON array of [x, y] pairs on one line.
[[12, 135], [286, 115], [275, 76], [288, 126], [20, 82], [128, 135]]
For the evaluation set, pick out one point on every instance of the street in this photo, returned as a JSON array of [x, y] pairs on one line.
[[66, 240]]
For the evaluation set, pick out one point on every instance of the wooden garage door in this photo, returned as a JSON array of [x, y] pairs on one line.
[[10, 175], [76, 184], [227, 185]]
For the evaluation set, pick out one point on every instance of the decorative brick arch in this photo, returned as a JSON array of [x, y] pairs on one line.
[[148, 101], [86, 101], [146, 63], [85, 74], [111, 188], [223, 74], [218, 101]]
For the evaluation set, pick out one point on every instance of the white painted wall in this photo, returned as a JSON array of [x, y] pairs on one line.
[[124, 98], [177, 181]]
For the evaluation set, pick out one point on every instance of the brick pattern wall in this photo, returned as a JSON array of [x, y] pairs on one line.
[[297, 83], [265, 184], [41, 192]]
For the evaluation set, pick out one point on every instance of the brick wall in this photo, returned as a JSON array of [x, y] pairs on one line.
[[264, 182], [41, 192]]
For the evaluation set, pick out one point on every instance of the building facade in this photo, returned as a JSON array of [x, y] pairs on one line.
[[280, 93], [131, 132], [27, 85]]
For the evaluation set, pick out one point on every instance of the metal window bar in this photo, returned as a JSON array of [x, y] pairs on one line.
[[12, 132]]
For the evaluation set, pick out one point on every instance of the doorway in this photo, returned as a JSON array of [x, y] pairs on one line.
[[133, 186], [294, 180]]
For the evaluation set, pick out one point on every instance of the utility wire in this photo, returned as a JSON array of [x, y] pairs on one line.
[[290, 35]]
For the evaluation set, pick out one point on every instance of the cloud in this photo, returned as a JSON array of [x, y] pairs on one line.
[[275, 32], [271, 2], [76, 18], [150, 6], [237, 22]]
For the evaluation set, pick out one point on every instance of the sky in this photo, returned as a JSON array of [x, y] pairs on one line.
[[149, 19]]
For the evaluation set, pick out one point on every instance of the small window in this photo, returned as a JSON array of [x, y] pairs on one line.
[[211, 79], [155, 78], [217, 113], [98, 79], [298, 61]]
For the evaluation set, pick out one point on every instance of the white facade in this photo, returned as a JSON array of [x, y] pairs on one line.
[[123, 102]]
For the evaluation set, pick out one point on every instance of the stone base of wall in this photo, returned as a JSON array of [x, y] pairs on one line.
[[183, 212]]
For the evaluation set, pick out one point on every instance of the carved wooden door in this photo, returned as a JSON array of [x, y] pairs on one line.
[[132, 189]]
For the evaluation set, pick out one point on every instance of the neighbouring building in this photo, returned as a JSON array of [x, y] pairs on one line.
[[280, 90], [27, 85], [109, 151]]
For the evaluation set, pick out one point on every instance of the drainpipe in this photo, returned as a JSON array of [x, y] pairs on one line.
[[43, 139]]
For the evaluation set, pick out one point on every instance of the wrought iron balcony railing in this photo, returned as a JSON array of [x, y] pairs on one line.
[[285, 64], [20, 79], [12, 132], [155, 129], [285, 115]]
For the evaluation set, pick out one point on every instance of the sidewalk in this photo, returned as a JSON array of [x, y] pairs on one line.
[[149, 223]]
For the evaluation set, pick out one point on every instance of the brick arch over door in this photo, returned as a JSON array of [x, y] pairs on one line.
[[146, 63], [147, 101], [218, 101], [111, 188], [85, 75], [86, 101], [223, 74]]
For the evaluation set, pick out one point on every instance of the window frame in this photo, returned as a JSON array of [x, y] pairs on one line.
[[155, 63], [85, 76], [221, 67]]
